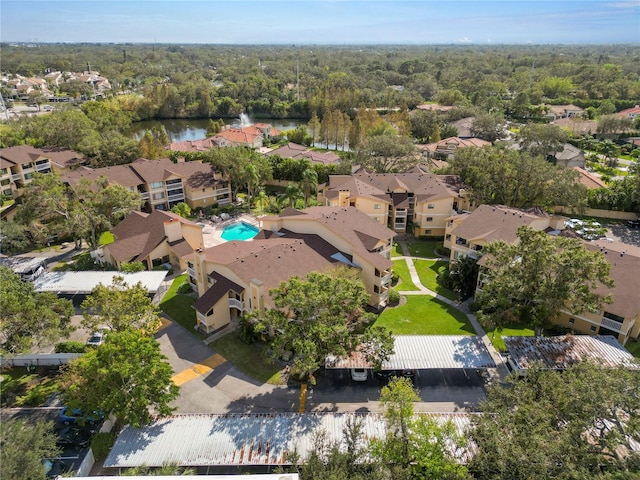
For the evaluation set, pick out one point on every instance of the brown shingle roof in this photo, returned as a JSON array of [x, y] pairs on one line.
[[139, 234], [19, 155], [588, 179], [494, 222], [218, 290]]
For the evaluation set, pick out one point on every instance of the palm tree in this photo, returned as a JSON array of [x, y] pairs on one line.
[[261, 200], [290, 195], [309, 183], [252, 177]]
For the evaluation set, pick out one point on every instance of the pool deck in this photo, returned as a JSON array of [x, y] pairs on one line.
[[212, 231]]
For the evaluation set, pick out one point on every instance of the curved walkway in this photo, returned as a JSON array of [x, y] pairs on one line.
[[463, 307]]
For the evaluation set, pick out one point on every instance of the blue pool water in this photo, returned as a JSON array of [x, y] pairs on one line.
[[239, 231]]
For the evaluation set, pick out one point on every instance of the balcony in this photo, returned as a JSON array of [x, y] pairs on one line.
[[401, 213], [234, 303], [222, 191], [462, 241], [144, 195], [191, 272], [400, 226], [43, 166], [613, 325], [386, 278], [16, 177], [176, 198]]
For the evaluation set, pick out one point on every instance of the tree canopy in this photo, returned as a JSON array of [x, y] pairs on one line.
[[321, 315], [120, 306], [126, 375], [23, 446], [572, 425], [497, 175], [27, 318], [530, 281]]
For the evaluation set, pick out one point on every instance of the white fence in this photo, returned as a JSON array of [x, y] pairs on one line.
[[38, 360]]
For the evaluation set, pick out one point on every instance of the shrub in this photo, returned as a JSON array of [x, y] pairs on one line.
[[185, 288], [394, 296], [71, 346], [101, 444]]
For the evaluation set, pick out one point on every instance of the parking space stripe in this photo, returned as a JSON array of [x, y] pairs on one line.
[[198, 369]]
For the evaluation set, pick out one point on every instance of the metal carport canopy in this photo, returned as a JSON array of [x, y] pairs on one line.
[[423, 352]]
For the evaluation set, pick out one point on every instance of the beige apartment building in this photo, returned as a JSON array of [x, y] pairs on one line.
[[467, 234], [155, 239], [415, 201], [235, 277], [163, 184], [19, 164]]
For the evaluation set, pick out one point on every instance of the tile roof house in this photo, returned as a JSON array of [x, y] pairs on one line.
[[631, 113], [467, 234], [251, 136], [18, 165], [588, 179], [556, 112], [446, 149], [577, 125], [154, 239], [416, 198], [236, 276], [162, 183], [295, 151]]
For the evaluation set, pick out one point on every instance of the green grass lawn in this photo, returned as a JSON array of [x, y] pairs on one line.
[[424, 248], [178, 306], [633, 347], [401, 269], [516, 331], [21, 388], [247, 358], [425, 315], [396, 250], [428, 271]]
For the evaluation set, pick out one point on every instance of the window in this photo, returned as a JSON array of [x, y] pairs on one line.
[[156, 185], [431, 206], [158, 196], [593, 328], [447, 236], [429, 219], [427, 232], [376, 206], [572, 321]]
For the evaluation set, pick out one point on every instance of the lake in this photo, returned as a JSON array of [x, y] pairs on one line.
[[196, 129]]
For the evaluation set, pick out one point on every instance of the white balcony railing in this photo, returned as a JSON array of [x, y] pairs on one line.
[[174, 198], [612, 325], [16, 176], [43, 166], [400, 226], [234, 303], [387, 278], [191, 272], [401, 213], [222, 191]]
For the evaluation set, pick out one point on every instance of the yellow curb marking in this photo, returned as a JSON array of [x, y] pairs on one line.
[[198, 369]]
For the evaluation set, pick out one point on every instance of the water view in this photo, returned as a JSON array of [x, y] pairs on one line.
[[195, 129]]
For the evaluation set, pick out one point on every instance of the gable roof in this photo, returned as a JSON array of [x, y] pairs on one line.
[[588, 179], [455, 142], [296, 151], [140, 233], [495, 222], [19, 155], [218, 290]]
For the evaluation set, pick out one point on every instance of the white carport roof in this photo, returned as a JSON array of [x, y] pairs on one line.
[[421, 352], [200, 440], [82, 283]]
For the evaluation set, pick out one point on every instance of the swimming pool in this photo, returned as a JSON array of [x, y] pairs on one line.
[[239, 231]]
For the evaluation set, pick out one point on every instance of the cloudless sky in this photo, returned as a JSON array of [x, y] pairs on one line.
[[322, 22]]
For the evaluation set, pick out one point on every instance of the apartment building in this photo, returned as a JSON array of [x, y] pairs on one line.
[[413, 202], [19, 164], [155, 239], [468, 233], [235, 277], [163, 184]]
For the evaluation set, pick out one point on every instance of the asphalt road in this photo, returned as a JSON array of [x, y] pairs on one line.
[[224, 389]]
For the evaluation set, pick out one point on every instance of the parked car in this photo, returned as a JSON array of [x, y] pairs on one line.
[[359, 374], [76, 416], [54, 467], [74, 436], [97, 338], [47, 108]]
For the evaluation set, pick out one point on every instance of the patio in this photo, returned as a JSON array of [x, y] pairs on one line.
[[212, 230]]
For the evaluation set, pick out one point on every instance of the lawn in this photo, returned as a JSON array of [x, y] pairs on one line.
[[515, 331], [178, 306], [396, 250], [425, 315], [428, 271], [21, 388], [401, 269], [633, 347], [247, 358], [424, 249]]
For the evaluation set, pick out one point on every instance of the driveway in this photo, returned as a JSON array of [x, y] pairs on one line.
[[209, 384]]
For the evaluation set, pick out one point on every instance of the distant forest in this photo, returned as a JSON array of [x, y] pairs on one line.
[[208, 81]]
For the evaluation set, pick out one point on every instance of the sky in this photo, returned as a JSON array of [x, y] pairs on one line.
[[333, 22]]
